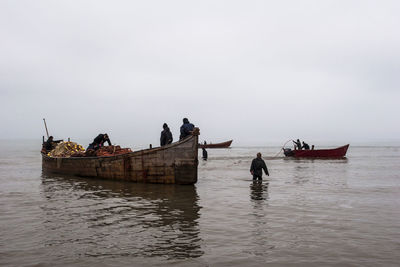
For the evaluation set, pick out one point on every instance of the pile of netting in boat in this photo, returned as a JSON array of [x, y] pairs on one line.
[[72, 149], [106, 151], [66, 149]]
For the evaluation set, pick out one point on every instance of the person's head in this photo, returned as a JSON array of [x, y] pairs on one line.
[[51, 137], [185, 120], [298, 140], [165, 126], [105, 136], [303, 142], [259, 155]]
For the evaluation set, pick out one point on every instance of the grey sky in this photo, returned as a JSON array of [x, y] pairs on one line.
[[258, 72]]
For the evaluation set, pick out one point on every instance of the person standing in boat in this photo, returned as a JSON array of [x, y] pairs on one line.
[[99, 142], [257, 166], [305, 146], [297, 144], [186, 129], [50, 144], [166, 136]]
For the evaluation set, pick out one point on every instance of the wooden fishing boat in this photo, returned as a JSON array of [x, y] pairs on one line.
[[217, 145], [175, 163], [339, 152]]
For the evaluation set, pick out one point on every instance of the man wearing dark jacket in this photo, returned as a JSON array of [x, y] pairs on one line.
[[297, 145], [305, 146], [50, 144], [257, 165], [186, 129], [99, 142], [166, 136]]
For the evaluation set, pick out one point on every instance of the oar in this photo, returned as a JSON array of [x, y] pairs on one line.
[[46, 128]]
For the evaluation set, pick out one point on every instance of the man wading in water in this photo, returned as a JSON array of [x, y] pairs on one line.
[[257, 165]]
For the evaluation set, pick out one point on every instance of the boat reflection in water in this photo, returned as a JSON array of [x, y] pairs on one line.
[[102, 218]]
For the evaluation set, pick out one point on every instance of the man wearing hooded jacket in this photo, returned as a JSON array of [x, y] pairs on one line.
[[166, 136], [186, 129], [257, 166]]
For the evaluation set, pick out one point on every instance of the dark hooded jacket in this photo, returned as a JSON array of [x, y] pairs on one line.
[[257, 165], [306, 146], [100, 140], [186, 130], [48, 145], [166, 137]]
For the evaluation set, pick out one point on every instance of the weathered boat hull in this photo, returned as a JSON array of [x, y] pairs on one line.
[[172, 164], [339, 152], [217, 145]]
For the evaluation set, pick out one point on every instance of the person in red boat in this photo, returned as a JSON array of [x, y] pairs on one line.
[[297, 144], [305, 146]]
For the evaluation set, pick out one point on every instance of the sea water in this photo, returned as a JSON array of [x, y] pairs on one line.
[[306, 213]]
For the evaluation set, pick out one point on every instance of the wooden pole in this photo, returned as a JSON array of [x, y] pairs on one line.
[[46, 128]]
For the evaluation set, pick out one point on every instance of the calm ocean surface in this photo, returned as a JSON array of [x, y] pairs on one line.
[[306, 213]]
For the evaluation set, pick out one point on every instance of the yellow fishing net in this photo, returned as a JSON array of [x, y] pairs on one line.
[[66, 149]]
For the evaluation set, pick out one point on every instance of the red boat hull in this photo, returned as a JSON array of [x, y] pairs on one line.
[[339, 152], [217, 145]]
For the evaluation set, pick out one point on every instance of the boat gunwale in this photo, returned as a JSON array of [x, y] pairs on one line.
[[304, 155], [227, 143], [133, 153], [325, 149]]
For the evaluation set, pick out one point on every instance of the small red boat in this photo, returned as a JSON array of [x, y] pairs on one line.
[[217, 145], [339, 152]]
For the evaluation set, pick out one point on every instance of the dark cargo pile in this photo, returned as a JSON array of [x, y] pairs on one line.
[[107, 151]]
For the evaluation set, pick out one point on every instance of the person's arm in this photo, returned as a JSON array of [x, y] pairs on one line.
[[98, 140], [191, 129], [265, 169], [186, 130], [252, 167], [163, 139], [170, 139], [108, 141]]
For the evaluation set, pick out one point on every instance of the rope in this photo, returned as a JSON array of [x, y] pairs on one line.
[[280, 150]]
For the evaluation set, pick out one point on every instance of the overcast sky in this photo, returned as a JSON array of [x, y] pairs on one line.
[[258, 72]]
